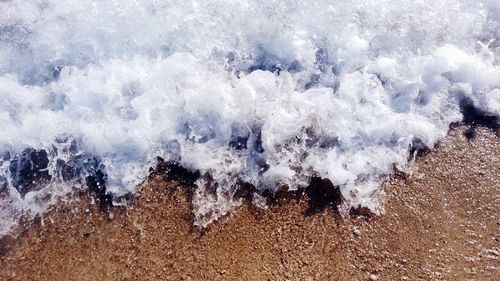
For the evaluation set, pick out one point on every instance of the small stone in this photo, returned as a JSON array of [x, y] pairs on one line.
[[373, 277], [356, 232]]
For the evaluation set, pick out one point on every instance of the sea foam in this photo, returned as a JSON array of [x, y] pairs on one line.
[[267, 93]]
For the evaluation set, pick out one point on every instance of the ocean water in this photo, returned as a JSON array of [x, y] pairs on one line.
[[267, 93]]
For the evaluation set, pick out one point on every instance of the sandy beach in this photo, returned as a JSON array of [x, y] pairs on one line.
[[249, 140], [442, 222]]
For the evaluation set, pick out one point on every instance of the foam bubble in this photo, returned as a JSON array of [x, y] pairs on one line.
[[258, 92]]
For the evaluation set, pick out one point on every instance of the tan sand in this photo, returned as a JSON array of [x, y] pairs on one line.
[[442, 222]]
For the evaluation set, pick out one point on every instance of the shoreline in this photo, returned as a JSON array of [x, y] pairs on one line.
[[441, 222]]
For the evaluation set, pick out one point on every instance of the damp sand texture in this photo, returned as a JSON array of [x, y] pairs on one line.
[[441, 223]]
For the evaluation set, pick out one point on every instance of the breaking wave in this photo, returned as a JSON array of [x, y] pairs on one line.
[[267, 93]]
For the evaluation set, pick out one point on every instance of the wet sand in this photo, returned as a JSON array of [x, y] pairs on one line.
[[442, 222]]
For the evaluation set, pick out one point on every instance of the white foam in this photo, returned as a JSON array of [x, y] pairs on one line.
[[339, 90]]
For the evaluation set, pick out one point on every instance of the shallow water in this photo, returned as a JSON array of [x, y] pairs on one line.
[[268, 93]]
